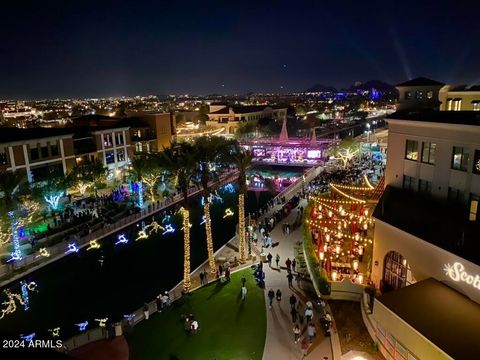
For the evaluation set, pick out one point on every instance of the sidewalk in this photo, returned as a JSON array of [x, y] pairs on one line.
[[280, 339]]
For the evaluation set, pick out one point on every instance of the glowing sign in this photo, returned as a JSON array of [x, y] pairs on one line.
[[72, 247], [457, 273]]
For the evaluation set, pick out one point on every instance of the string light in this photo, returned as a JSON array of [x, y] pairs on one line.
[[186, 250], [17, 252], [208, 232], [369, 185], [122, 239], [354, 188], [166, 219], [55, 331], [25, 295], [346, 195], [53, 200], [169, 229], [10, 305], [229, 188], [32, 286], [82, 326], [203, 220], [140, 194], [102, 322], [228, 212], [154, 226], [93, 244], [29, 337], [72, 247], [241, 227]]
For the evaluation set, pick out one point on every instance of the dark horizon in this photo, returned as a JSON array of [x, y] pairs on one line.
[[65, 50]]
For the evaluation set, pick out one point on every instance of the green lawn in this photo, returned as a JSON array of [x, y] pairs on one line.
[[229, 327]]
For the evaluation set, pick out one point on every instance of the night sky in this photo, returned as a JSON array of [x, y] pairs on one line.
[[113, 48]]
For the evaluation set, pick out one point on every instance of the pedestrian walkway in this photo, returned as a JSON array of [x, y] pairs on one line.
[[280, 338]]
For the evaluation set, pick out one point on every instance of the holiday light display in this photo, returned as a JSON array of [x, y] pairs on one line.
[[354, 188], [10, 305], [72, 247], [53, 200], [93, 244], [142, 234], [346, 195], [16, 253], [241, 226], [154, 226], [166, 219], [102, 322], [29, 337], [203, 220], [25, 295], [367, 182], [140, 195], [129, 317], [82, 326], [170, 229], [186, 250], [32, 286], [43, 252], [208, 231], [228, 188], [55, 331], [228, 212], [121, 239]]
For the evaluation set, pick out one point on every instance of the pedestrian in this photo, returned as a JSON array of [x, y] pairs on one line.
[[290, 279], [294, 264], [294, 313], [278, 294], [308, 314], [220, 269], [311, 331], [271, 295], [296, 333], [146, 311], [305, 347], [159, 303], [244, 292], [269, 258], [288, 263], [227, 274], [244, 280], [277, 260], [293, 300], [202, 277], [205, 276]]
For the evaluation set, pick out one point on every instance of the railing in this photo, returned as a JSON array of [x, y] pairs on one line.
[[58, 251]]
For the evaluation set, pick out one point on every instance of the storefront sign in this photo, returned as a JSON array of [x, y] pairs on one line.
[[457, 273]]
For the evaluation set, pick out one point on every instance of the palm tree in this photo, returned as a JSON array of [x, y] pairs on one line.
[[180, 162], [208, 150], [138, 168], [242, 159]]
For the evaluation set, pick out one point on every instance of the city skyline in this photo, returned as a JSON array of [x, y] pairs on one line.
[[60, 50]]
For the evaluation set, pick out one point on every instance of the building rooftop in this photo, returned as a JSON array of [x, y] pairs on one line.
[[446, 117], [11, 134], [440, 223], [247, 109], [420, 81], [444, 316], [465, 88]]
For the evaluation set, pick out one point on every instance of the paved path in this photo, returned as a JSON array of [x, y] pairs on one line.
[[280, 339]]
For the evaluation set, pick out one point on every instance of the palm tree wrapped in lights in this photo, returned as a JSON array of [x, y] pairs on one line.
[[242, 159], [180, 162]]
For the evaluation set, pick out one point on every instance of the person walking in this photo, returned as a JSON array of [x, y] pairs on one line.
[[293, 300], [294, 264], [294, 313], [277, 260], [296, 333], [205, 276], [146, 311], [227, 274], [288, 263], [244, 280], [202, 278], [271, 296], [309, 314], [269, 258], [244, 292], [290, 279], [311, 331], [278, 295]]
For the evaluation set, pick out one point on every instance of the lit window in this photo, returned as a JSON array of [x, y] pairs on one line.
[[138, 147], [120, 155], [476, 105], [473, 210], [459, 158], [428, 153], [107, 140], [419, 95], [449, 104], [430, 94], [109, 157], [457, 104], [408, 95], [411, 150]]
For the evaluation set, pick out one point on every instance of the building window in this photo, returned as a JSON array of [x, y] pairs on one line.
[[430, 95], [455, 195], [476, 105], [424, 186], [408, 182], [44, 151], [395, 272], [457, 104], [109, 157], [54, 149], [408, 95], [459, 158], [411, 150], [428, 152], [34, 155], [473, 211], [120, 139], [107, 140], [419, 95], [449, 104], [120, 155]]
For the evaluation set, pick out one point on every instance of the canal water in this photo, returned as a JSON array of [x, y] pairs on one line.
[[115, 280]]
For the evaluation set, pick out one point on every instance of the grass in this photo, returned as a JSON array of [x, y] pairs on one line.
[[229, 327]]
